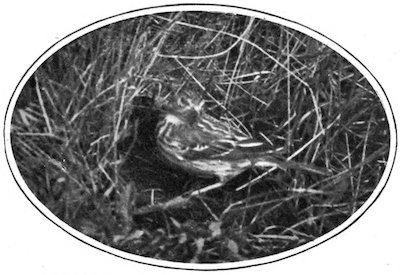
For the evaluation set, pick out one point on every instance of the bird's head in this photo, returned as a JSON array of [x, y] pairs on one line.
[[185, 106]]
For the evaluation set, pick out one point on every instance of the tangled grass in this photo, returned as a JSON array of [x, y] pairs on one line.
[[83, 135]]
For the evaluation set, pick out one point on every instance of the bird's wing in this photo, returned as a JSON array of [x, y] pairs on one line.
[[204, 146], [227, 148], [210, 138]]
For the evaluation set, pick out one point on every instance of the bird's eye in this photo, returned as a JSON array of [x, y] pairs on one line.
[[183, 101]]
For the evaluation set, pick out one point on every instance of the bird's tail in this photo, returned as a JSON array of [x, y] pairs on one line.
[[308, 167], [273, 161]]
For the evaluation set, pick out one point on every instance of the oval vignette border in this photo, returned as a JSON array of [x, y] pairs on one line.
[[207, 8]]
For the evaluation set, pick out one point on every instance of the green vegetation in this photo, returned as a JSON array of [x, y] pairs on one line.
[[83, 136]]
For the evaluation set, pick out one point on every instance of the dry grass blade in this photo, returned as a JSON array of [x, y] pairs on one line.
[[46, 117]]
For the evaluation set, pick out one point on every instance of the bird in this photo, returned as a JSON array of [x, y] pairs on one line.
[[199, 143]]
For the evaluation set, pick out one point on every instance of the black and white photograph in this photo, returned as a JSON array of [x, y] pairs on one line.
[[199, 137]]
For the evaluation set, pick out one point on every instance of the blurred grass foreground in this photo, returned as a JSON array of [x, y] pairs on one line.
[[83, 135]]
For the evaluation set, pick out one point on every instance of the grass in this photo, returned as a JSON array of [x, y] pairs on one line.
[[83, 135]]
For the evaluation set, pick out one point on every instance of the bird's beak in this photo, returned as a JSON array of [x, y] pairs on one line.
[[160, 101]]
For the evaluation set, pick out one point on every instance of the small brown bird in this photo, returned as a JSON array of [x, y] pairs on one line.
[[197, 142]]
